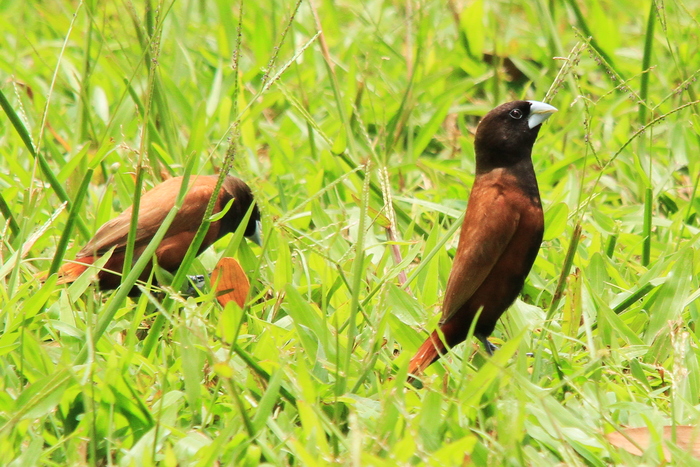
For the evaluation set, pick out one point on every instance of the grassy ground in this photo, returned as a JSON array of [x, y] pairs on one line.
[[349, 136]]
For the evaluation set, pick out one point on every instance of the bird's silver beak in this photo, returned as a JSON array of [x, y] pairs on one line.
[[539, 112], [257, 235]]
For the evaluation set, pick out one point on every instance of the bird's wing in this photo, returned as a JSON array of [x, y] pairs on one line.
[[489, 225], [154, 207], [115, 232]]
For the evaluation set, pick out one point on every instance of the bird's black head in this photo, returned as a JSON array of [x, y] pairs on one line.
[[505, 136], [243, 198]]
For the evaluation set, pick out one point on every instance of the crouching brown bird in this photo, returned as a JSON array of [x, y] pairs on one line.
[[501, 233], [154, 207]]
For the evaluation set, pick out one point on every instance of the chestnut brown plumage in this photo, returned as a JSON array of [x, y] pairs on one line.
[[154, 207], [501, 233]]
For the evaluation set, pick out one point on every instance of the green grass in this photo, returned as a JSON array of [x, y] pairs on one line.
[[348, 137]]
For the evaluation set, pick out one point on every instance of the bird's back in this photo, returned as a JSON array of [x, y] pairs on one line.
[[153, 208]]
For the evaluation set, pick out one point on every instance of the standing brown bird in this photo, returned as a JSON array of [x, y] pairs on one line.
[[154, 207], [501, 233]]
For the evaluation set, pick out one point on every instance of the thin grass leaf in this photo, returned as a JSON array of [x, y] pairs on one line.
[[43, 165], [72, 216]]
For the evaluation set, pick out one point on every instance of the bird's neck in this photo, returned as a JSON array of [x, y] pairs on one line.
[[521, 169], [516, 162]]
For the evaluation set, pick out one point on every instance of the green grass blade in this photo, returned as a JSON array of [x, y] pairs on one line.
[[646, 245], [9, 217], [75, 211], [43, 165]]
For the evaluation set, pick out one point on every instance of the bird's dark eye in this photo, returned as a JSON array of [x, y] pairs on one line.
[[516, 114]]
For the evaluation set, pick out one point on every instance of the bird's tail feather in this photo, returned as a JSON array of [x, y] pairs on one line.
[[428, 353], [69, 272]]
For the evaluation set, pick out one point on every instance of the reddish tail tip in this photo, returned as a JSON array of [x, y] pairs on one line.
[[428, 353], [69, 272]]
